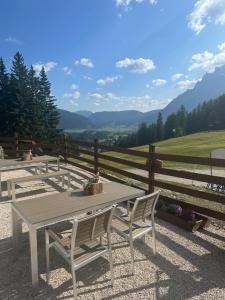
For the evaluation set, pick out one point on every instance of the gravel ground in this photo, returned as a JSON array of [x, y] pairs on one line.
[[187, 266]]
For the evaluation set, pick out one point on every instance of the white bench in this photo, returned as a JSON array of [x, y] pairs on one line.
[[11, 183]]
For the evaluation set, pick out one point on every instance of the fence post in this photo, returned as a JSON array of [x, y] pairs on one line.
[[151, 173], [16, 144], [95, 156], [65, 147]]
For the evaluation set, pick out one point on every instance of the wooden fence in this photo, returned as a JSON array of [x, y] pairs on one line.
[[96, 157], [99, 158]]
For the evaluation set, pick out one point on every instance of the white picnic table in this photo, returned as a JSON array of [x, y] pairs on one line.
[[14, 164], [41, 212]]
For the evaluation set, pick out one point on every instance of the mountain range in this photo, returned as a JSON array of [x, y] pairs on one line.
[[211, 86]]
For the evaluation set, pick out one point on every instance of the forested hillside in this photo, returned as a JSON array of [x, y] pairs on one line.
[[27, 106], [207, 116]]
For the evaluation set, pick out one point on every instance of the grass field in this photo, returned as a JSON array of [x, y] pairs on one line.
[[198, 144]]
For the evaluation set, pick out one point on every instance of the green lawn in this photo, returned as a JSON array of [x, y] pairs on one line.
[[198, 144]]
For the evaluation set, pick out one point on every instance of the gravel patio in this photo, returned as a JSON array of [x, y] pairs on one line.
[[187, 266]]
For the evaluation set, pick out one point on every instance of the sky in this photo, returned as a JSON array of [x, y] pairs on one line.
[[115, 54]]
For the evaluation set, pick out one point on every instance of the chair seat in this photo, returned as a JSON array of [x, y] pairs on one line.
[[61, 234], [88, 252], [121, 226]]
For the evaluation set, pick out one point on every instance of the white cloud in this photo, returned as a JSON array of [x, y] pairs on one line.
[[221, 46], [48, 66], [206, 11], [159, 82], [72, 102], [67, 70], [186, 84], [107, 80], [12, 40], [74, 86], [86, 62], [96, 96], [72, 97], [127, 3], [208, 61], [176, 76], [140, 65], [144, 103]]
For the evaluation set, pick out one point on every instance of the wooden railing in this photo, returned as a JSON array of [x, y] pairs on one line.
[[95, 157]]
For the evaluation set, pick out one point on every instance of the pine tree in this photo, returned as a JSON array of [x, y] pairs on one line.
[[4, 99], [48, 106], [159, 127], [21, 120], [35, 111]]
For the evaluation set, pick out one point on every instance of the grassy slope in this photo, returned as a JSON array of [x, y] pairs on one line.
[[198, 144]]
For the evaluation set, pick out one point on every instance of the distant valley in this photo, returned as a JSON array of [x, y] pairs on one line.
[[211, 86]]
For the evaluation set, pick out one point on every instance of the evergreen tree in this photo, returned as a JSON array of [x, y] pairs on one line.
[[159, 127], [4, 99], [35, 107], [48, 106], [21, 120]]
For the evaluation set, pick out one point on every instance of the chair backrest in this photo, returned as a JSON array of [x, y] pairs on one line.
[[90, 228], [144, 207]]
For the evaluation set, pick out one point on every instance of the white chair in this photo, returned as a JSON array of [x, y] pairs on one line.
[[80, 244], [134, 225]]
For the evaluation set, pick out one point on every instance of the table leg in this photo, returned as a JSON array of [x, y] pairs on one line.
[[16, 231], [58, 163], [33, 257], [46, 166]]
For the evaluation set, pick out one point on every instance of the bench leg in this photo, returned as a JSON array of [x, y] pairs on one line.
[[63, 180], [13, 189], [69, 181], [9, 188]]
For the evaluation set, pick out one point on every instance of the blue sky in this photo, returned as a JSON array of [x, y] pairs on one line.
[[116, 54]]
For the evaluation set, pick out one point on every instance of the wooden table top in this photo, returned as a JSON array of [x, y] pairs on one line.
[[43, 210]]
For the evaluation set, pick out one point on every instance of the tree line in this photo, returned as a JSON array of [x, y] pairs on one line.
[[27, 106], [207, 116]]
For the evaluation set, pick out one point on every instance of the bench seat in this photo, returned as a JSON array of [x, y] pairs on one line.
[[11, 183]]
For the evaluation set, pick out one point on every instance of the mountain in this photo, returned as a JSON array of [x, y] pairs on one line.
[[150, 116], [115, 118], [71, 120], [84, 113], [211, 86]]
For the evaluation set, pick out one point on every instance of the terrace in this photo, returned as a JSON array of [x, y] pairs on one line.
[[187, 265]]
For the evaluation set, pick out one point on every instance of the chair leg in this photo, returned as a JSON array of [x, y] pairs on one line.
[[132, 254], [143, 238], [153, 240], [110, 259], [74, 282], [47, 255]]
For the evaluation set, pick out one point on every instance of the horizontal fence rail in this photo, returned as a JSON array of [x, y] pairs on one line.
[[116, 163], [104, 158]]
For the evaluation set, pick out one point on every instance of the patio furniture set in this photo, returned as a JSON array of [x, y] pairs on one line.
[[75, 222]]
